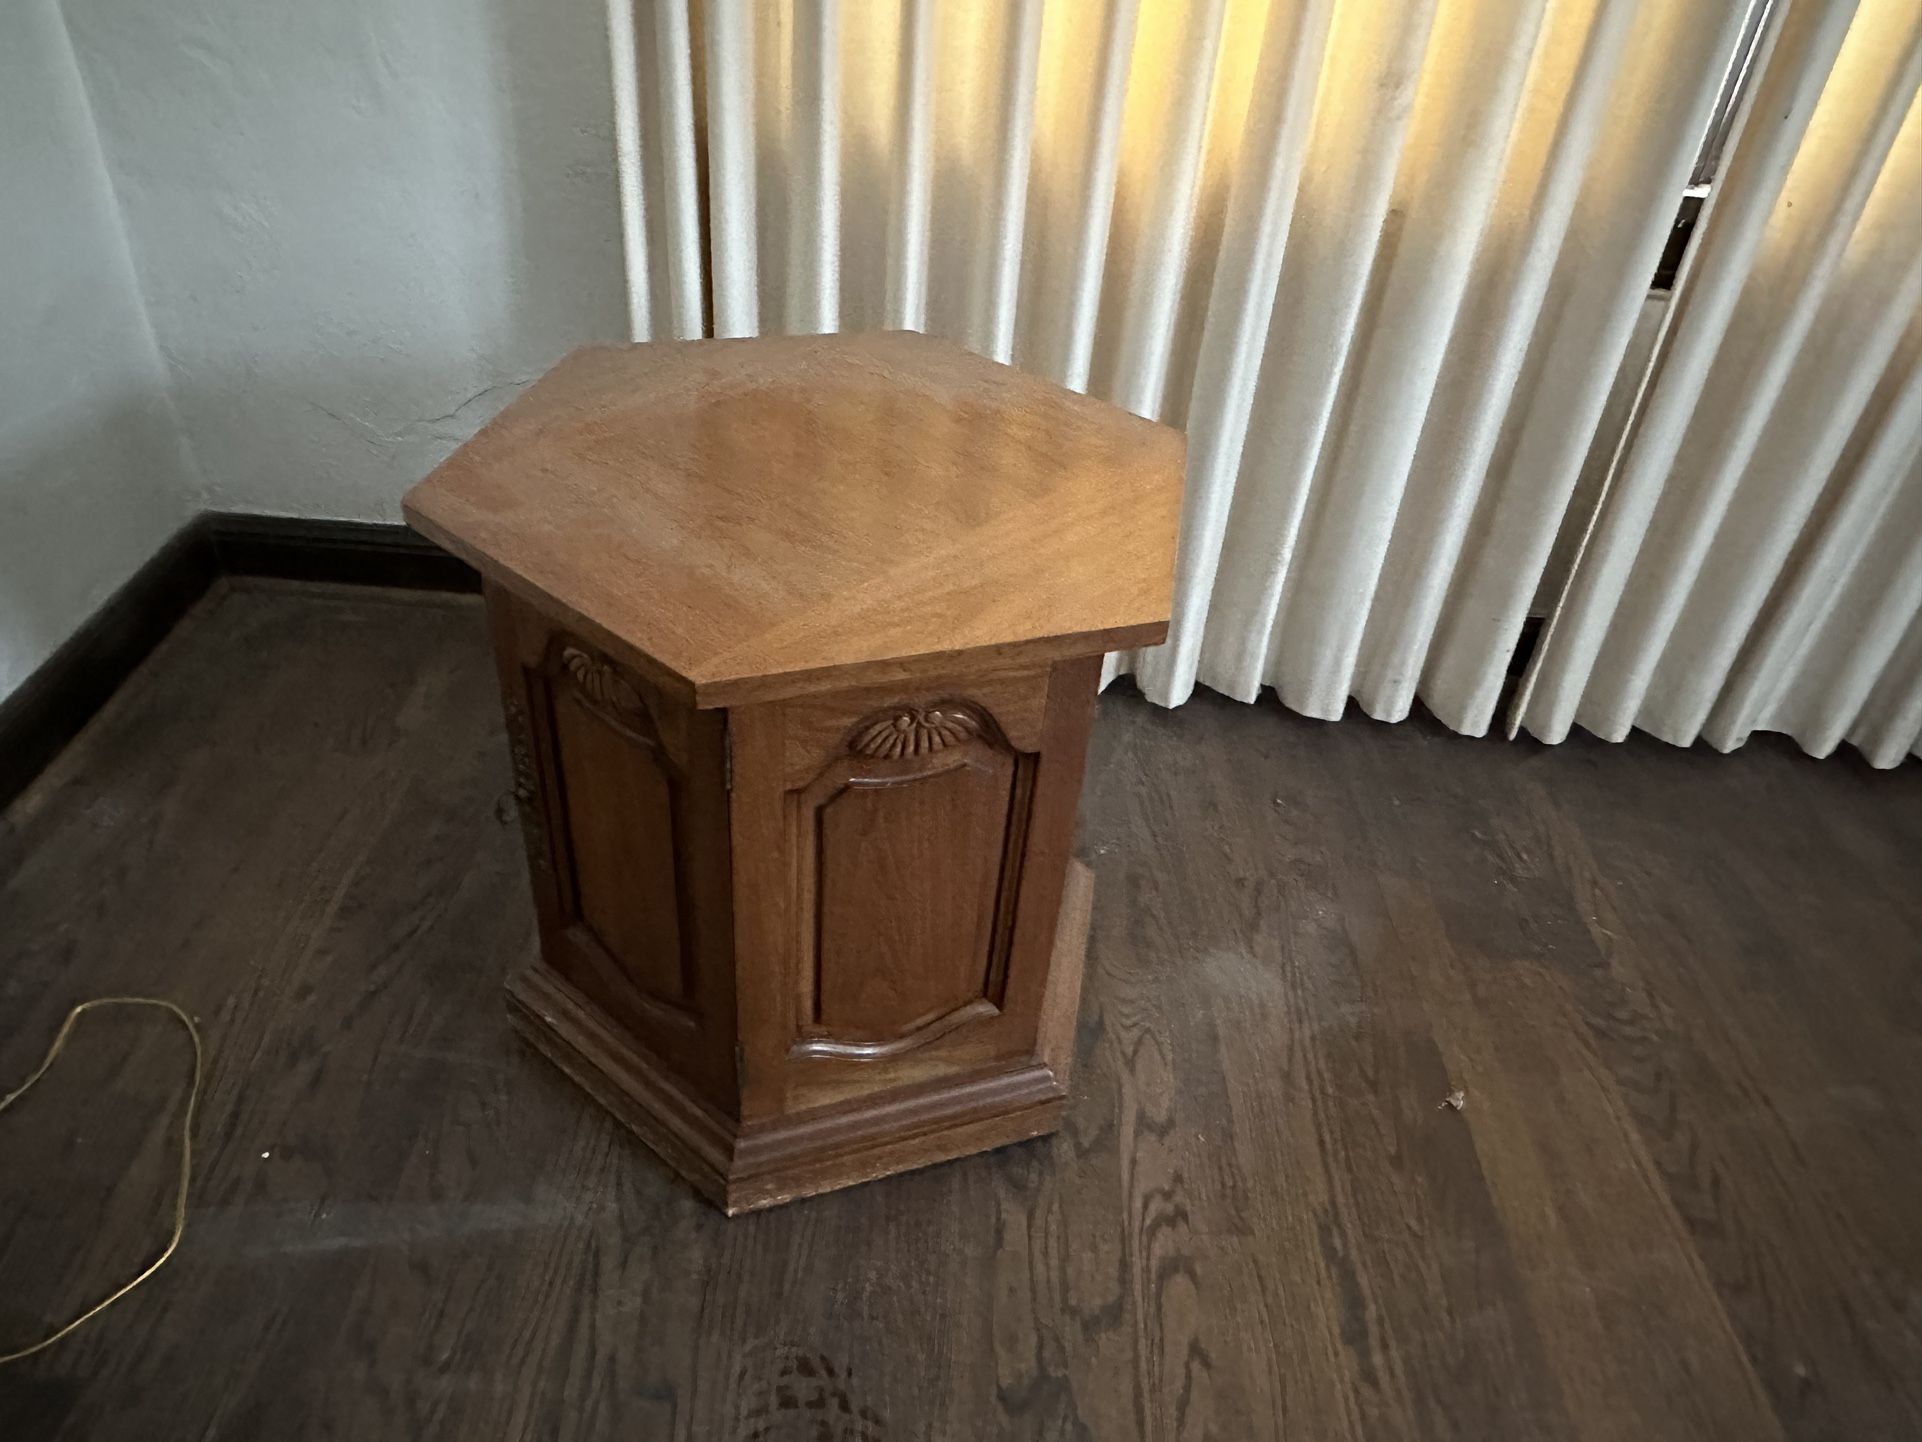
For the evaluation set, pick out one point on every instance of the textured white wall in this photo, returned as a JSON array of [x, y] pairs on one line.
[[92, 473], [359, 226]]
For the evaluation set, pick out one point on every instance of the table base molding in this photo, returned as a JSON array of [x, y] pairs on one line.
[[746, 1166]]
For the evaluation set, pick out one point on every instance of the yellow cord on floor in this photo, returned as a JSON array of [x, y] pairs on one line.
[[186, 1153]]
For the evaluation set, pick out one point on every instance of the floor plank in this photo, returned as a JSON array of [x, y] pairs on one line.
[[1678, 993]]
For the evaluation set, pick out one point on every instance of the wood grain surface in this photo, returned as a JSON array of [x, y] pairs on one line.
[[1679, 994], [752, 519], [623, 802]]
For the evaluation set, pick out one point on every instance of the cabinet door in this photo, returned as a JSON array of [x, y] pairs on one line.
[[623, 797], [899, 857]]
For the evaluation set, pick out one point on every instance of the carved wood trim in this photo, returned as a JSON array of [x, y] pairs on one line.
[[904, 731], [520, 750], [600, 684], [830, 1047], [898, 746]]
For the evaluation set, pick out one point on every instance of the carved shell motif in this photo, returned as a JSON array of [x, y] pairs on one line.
[[913, 731], [600, 683]]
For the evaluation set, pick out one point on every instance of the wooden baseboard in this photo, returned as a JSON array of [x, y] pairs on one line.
[[48, 709], [361, 553]]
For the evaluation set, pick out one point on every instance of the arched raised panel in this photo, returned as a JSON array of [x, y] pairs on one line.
[[908, 852], [620, 796]]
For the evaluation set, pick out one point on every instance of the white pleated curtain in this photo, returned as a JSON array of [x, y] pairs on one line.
[[1382, 260], [1756, 563]]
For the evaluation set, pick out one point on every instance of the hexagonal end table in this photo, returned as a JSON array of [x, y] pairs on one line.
[[798, 641]]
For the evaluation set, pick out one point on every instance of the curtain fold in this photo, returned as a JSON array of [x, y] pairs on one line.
[[1383, 260], [1749, 569]]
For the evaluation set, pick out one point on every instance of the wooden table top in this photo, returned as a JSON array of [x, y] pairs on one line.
[[749, 519]]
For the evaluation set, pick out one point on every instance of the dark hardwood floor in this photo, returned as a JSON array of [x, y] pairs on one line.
[[1680, 994]]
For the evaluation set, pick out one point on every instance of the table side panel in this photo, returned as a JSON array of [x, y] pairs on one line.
[[623, 795], [899, 854]]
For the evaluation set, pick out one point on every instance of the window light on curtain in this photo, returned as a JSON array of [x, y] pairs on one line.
[[1757, 560], [1383, 260]]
